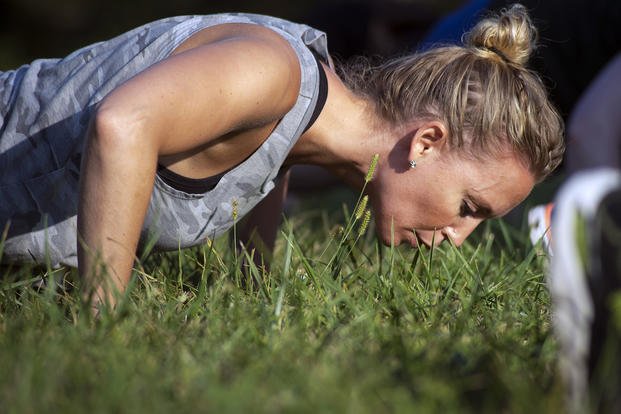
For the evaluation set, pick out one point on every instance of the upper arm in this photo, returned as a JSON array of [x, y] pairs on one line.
[[203, 93]]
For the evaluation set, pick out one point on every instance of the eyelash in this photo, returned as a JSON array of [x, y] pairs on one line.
[[465, 210]]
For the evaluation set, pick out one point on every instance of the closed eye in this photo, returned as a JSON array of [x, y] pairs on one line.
[[465, 210]]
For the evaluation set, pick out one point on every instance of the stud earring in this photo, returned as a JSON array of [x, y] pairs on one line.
[[412, 164]]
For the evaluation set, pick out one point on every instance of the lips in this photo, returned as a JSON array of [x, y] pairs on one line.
[[418, 239], [412, 240], [411, 237]]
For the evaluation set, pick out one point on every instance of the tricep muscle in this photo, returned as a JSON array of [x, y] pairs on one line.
[[203, 93]]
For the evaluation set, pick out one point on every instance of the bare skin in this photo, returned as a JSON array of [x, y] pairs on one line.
[[448, 194], [179, 113]]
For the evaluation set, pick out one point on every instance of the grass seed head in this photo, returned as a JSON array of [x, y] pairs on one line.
[[362, 207], [372, 167], [365, 222], [235, 209]]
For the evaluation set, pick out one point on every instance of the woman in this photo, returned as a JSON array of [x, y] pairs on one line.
[[462, 134]]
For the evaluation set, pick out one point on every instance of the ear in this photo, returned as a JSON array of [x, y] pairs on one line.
[[430, 138]]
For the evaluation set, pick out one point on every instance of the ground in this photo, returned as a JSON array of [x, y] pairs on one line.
[[339, 324]]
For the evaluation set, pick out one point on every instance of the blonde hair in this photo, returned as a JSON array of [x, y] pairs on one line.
[[482, 91]]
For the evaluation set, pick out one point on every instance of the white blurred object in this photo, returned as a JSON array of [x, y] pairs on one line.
[[539, 223], [573, 312]]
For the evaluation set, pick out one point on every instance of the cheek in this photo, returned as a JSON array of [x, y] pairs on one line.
[[432, 207], [435, 215], [386, 217], [421, 209]]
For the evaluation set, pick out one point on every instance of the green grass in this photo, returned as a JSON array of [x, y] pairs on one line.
[[336, 325]]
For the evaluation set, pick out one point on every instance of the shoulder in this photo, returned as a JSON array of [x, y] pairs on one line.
[[259, 57], [261, 35], [223, 79]]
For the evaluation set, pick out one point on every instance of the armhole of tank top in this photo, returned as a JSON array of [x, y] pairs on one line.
[[323, 93], [203, 185], [189, 185]]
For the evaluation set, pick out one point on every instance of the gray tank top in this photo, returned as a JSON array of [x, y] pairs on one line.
[[45, 108]]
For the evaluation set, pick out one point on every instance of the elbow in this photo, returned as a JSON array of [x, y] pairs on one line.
[[105, 130], [116, 141], [115, 129], [115, 148]]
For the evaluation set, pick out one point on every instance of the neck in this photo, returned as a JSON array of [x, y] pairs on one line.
[[344, 137]]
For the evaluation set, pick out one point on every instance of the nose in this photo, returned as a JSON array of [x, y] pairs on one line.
[[459, 233]]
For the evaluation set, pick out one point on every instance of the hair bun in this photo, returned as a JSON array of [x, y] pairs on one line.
[[510, 35]]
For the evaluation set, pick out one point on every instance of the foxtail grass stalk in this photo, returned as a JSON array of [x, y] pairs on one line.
[[344, 248]]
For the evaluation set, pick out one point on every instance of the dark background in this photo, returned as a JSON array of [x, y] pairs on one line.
[[31, 29]]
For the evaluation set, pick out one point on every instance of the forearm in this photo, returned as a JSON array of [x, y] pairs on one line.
[[116, 183]]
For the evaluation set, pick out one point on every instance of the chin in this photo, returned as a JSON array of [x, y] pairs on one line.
[[386, 238], [386, 230], [387, 242]]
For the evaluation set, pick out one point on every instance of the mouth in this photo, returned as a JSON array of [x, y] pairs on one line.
[[410, 237], [414, 239], [407, 236]]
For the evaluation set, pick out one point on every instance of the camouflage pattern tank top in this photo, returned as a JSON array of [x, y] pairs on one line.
[[46, 106]]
